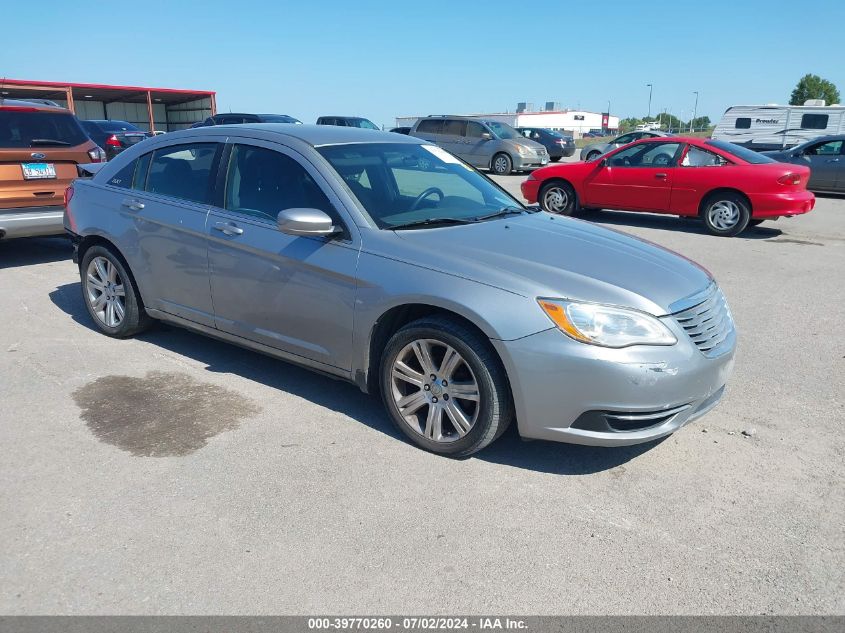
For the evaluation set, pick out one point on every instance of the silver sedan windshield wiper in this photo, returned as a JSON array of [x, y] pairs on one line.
[[501, 212], [431, 222]]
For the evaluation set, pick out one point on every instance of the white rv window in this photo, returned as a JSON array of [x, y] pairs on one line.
[[743, 123], [814, 122]]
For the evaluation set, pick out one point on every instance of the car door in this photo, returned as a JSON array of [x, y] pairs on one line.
[[295, 294], [453, 136], [637, 177], [479, 148], [824, 161], [169, 205]]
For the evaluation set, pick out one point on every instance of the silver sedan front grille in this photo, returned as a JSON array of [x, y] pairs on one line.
[[709, 323]]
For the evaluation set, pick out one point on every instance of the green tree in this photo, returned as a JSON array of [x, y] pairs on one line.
[[626, 125], [701, 123], [814, 87]]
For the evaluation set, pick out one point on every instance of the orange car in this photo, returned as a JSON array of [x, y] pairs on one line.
[[40, 147]]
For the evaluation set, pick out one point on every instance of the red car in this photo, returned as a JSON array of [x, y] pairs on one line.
[[727, 186]]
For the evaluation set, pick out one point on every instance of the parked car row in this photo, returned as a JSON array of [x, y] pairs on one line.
[[483, 143], [385, 260]]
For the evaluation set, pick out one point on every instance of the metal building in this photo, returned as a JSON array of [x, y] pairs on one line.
[[164, 109]]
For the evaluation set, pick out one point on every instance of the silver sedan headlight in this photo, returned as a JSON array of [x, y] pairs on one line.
[[607, 326]]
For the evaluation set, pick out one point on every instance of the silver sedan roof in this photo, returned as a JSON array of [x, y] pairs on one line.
[[314, 135]]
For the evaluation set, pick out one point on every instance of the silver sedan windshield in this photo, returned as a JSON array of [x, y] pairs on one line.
[[399, 184]]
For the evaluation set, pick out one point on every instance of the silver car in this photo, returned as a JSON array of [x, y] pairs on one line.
[[384, 260], [594, 150], [825, 156], [483, 143]]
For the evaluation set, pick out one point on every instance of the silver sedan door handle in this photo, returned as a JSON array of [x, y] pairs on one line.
[[228, 228], [134, 205]]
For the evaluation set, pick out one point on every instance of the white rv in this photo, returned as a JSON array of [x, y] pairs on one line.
[[772, 127]]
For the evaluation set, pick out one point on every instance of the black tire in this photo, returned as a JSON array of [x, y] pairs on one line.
[[719, 202], [592, 155], [501, 164], [554, 159], [135, 318], [755, 222], [494, 406], [558, 197]]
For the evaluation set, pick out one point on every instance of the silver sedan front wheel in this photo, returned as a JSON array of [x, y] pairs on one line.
[[435, 390], [105, 292]]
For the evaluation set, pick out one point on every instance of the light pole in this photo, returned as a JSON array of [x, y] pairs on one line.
[[650, 88], [694, 110]]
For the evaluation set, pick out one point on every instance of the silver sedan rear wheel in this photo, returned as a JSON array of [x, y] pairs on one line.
[[105, 292], [435, 390]]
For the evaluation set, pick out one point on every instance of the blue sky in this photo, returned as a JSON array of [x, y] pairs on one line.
[[383, 59]]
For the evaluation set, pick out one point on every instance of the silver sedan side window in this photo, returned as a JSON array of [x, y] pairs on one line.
[[260, 182]]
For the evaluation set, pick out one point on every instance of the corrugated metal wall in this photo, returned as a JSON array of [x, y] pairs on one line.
[[183, 115]]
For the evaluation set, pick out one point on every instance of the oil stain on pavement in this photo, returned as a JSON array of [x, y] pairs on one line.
[[162, 414]]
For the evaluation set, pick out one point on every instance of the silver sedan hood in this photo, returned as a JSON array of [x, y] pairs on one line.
[[553, 256]]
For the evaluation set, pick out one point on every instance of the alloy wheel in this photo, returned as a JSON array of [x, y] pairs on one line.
[[105, 292], [435, 390]]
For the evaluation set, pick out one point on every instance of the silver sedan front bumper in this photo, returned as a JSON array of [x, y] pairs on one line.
[[568, 391]]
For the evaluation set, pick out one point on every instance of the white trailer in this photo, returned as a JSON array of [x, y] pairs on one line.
[[773, 127]]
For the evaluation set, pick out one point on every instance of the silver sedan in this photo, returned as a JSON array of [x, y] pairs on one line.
[[383, 260], [594, 150]]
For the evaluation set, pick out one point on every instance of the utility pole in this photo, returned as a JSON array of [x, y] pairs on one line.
[[694, 110], [650, 88]]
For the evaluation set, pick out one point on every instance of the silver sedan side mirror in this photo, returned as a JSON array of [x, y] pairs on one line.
[[306, 222]]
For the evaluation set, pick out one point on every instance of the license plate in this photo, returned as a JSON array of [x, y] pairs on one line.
[[38, 171]]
